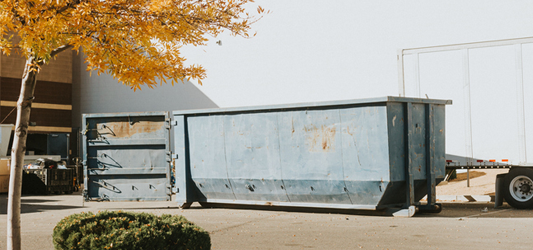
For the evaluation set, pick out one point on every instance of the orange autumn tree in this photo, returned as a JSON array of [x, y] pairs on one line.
[[135, 41]]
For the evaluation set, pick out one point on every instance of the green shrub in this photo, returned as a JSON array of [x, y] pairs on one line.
[[128, 230]]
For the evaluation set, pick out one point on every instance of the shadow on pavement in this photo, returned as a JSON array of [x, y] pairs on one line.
[[295, 209], [479, 210], [36, 205], [449, 210], [36, 200], [37, 208], [210, 206]]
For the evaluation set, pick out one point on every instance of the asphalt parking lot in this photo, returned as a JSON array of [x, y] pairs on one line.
[[474, 225]]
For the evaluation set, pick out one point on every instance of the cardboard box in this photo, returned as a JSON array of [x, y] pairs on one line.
[[4, 174], [5, 166], [4, 183]]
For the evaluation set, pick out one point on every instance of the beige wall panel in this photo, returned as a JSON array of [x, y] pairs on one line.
[[45, 129], [13, 65], [58, 70]]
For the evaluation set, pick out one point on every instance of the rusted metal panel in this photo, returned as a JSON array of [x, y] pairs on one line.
[[361, 154], [127, 156]]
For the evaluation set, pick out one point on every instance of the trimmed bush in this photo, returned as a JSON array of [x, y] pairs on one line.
[[128, 230]]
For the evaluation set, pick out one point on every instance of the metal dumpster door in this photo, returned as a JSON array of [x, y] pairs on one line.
[[127, 156], [311, 156]]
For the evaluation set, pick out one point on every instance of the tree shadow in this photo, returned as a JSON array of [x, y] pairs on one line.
[[38, 208], [36, 200], [35, 205]]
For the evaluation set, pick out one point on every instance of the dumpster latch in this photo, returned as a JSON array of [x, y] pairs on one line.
[[170, 156], [168, 123]]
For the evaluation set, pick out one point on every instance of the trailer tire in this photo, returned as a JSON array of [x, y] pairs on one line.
[[518, 188]]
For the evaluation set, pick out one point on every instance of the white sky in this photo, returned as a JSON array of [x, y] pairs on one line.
[[307, 51]]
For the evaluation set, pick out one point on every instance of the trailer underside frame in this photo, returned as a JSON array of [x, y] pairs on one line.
[[500, 182]]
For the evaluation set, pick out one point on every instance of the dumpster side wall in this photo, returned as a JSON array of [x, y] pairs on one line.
[[349, 155], [335, 156]]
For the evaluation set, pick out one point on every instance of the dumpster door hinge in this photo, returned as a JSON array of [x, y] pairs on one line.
[[170, 156]]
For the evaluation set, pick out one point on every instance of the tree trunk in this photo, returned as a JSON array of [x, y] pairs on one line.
[[29, 80]]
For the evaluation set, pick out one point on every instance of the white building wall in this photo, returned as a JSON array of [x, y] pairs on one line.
[[308, 51], [103, 94]]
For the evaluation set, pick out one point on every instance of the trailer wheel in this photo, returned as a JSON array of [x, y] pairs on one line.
[[518, 188]]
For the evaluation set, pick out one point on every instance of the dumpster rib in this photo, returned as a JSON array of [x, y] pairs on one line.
[[430, 154], [409, 178]]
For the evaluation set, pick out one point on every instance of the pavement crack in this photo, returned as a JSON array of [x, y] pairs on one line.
[[238, 225], [483, 214]]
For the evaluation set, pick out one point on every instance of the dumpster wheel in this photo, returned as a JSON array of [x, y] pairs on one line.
[[518, 188]]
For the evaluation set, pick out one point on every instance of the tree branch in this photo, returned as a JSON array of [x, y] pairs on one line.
[[55, 52], [60, 49], [69, 5]]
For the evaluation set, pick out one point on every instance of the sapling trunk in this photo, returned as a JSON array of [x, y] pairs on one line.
[[29, 80]]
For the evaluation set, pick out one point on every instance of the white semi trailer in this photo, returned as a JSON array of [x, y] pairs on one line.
[[490, 124]]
